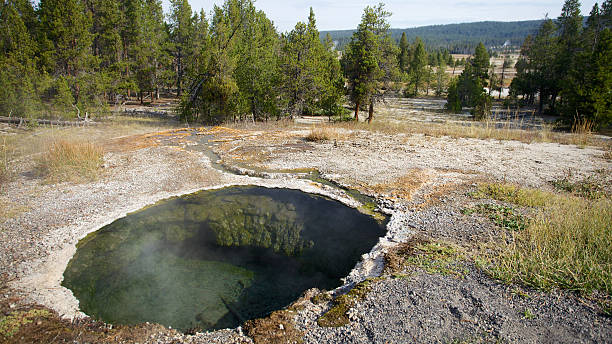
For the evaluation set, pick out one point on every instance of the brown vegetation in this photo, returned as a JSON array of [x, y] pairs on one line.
[[277, 328], [71, 161], [405, 186], [322, 134]]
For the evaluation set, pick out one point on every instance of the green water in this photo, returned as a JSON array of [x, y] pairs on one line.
[[214, 259]]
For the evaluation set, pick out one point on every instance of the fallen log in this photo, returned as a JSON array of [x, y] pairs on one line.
[[21, 120]]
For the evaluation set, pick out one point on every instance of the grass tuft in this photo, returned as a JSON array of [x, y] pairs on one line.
[[322, 134], [513, 194], [71, 161], [5, 170], [566, 246]]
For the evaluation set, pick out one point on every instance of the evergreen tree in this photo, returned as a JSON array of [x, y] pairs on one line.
[[469, 87], [418, 64], [537, 69], [17, 59], [149, 49], [586, 90], [181, 36], [441, 78], [67, 40], [569, 43], [312, 80], [404, 57], [371, 59], [257, 71]]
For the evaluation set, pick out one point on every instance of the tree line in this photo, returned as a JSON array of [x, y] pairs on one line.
[[566, 68], [456, 38], [77, 56]]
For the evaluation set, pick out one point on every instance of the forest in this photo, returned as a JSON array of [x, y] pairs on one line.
[[74, 58], [566, 67], [456, 38]]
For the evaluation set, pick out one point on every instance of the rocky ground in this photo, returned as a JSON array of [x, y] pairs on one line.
[[420, 180]]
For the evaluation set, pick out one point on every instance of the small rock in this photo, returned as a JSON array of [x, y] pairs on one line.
[[280, 326]]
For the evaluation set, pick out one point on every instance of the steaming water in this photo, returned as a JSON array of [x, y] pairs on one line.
[[214, 259]]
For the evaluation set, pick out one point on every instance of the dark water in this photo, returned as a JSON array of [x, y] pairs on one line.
[[216, 258]]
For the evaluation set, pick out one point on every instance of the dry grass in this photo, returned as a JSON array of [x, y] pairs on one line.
[[424, 254], [71, 161], [5, 169], [566, 244], [477, 130], [28, 143], [322, 134], [276, 328], [514, 194], [405, 186]]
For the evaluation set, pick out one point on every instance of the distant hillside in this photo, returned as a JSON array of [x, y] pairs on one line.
[[458, 38]]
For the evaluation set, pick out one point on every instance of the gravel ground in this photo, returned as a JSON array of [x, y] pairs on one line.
[[428, 308], [36, 244], [377, 158]]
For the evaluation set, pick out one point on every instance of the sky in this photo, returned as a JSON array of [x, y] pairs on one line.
[[338, 15]]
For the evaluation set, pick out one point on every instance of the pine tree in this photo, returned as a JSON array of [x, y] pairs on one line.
[[469, 87], [362, 68], [149, 48], [371, 59], [537, 69], [441, 78], [569, 42], [311, 72], [182, 30], [418, 65], [585, 95], [256, 72], [404, 57], [17, 59], [66, 28]]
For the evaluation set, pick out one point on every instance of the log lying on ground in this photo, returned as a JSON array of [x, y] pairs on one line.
[[21, 120]]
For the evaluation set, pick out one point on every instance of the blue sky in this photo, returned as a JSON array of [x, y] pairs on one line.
[[336, 15]]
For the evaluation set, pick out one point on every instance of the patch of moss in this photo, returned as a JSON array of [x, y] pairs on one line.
[[10, 324], [321, 297], [337, 315]]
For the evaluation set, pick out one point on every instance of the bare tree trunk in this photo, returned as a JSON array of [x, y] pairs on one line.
[[371, 112], [357, 111], [501, 83]]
